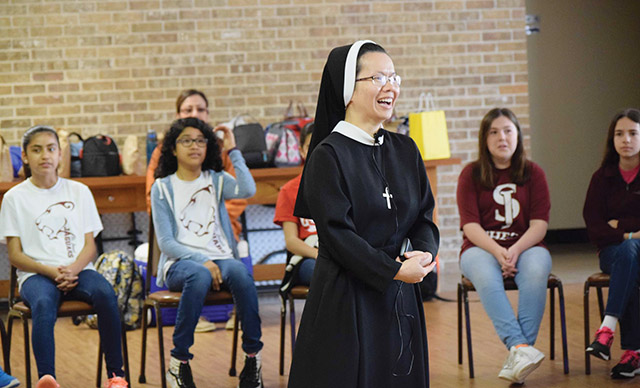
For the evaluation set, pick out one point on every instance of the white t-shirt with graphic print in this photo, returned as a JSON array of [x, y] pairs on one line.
[[195, 205], [51, 223]]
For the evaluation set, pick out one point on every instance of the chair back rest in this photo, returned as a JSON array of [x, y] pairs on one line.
[[152, 258]]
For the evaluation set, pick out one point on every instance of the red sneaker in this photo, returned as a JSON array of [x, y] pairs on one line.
[[601, 346], [117, 382], [628, 366]]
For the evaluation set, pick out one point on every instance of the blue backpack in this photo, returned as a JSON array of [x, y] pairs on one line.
[[16, 159], [76, 148]]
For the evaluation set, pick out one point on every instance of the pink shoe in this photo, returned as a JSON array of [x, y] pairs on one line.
[[47, 381], [601, 345], [117, 382], [628, 366]]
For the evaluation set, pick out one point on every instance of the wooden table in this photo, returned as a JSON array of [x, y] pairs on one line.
[[126, 194], [268, 183]]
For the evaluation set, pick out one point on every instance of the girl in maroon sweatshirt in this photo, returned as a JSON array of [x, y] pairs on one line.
[[612, 215], [503, 200]]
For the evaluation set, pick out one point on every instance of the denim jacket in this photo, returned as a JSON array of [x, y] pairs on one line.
[[164, 222]]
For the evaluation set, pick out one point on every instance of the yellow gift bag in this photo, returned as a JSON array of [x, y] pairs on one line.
[[428, 129]]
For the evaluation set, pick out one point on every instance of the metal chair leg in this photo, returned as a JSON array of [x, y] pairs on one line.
[[600, 302], [283, 324], [292, 318], [163, 378], [27, 350], [459, 324], [587, 360], [125, 353], [99, 372], [7, 346], [468, 325], [234, 351], [552, 323], [5, 353], [142, 379], [563, 328]]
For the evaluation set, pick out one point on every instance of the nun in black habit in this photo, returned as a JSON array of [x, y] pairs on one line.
[[367, 190]]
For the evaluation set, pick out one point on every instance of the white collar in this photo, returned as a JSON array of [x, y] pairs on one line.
[[353, 132]]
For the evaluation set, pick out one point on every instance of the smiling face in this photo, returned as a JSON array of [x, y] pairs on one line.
[[190, 157], [371, 104], [502, 141], [42, 154], [194, 106], [626, 138]]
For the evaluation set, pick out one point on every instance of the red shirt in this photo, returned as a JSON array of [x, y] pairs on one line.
[[284, 209], [630, 175], [505, 211]]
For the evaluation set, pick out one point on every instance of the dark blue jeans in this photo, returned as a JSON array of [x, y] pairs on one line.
[[43, 297], [622, 263], [194, 281], [305, 273]]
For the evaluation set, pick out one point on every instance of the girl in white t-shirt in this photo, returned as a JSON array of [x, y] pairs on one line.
[[195, 237], [49, 224]]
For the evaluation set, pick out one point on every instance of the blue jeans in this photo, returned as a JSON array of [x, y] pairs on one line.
[[43, 297], [194, 281], [306, 271], [622, 263], [534, 266]]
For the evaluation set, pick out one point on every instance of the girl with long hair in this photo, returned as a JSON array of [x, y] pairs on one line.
[[503, 200], [612, 215]]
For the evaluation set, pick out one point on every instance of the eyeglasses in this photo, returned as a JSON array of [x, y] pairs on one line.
[[187, 111], [186, 142], [381, 79]]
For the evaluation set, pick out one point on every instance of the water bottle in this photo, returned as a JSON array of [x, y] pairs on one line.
[[244, 256], [152, 142], [243, 248]]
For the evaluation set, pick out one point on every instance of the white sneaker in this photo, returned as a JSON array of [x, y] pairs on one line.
[[231, 322], [507, 372], [204, 325], [520, 363]]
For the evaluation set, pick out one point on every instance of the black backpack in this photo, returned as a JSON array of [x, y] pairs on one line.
[[250, 140], [100, 157]]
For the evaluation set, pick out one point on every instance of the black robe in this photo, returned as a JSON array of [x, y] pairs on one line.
[[357, 327]]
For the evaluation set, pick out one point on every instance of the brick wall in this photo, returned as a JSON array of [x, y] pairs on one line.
[[117, 66]]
